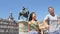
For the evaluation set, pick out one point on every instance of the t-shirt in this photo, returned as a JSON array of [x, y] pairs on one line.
[[34, 25], [52, 21]]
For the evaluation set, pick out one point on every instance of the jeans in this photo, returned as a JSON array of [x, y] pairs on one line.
[[56, 32], [33, 32]]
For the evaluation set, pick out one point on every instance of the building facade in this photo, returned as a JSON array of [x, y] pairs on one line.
[[8, 27]]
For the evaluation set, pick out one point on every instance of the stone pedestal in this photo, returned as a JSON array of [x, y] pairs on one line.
[[23, 27]]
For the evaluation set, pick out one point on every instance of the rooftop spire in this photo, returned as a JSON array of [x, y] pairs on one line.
[[10, 16]]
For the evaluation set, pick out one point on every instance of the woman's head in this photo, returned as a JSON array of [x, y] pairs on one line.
[[32, 16]]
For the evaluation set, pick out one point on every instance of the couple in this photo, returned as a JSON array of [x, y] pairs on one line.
[[50, 23]]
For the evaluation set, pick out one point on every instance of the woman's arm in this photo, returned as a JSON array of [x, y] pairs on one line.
[[40, 25], [28, 26]]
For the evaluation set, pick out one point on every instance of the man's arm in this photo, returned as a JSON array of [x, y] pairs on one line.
[[59, 22], [45, 24]]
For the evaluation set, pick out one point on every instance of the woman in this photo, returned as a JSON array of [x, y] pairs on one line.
[[33, 25]]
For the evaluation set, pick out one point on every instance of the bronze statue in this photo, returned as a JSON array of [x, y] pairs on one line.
[[24, 12]]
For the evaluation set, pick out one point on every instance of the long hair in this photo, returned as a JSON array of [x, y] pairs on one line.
[[30, 18]]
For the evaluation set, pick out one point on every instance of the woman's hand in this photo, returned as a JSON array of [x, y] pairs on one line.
[[47, 27]]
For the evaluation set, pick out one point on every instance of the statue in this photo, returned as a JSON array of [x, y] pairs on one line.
[[24, 12]]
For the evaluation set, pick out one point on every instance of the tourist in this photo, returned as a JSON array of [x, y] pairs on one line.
[[33, 24], [51, 22]]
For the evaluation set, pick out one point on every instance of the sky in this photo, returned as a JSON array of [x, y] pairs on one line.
[[40, 7]]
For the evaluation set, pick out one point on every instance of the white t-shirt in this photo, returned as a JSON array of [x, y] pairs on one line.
[[52, 22]]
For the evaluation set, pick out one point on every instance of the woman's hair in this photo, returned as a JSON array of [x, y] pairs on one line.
[[30, 17]]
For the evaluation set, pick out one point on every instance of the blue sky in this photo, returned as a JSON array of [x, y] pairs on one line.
[[39, 6]]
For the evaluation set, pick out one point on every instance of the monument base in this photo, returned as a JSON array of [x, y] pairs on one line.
[[23, 27]]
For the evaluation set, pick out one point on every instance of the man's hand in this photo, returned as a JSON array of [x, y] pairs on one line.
[[47, 27]]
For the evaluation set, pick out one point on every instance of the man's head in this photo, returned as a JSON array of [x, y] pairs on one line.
[[51, 10]]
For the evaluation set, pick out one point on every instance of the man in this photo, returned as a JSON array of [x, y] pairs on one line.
[[51, 23]]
